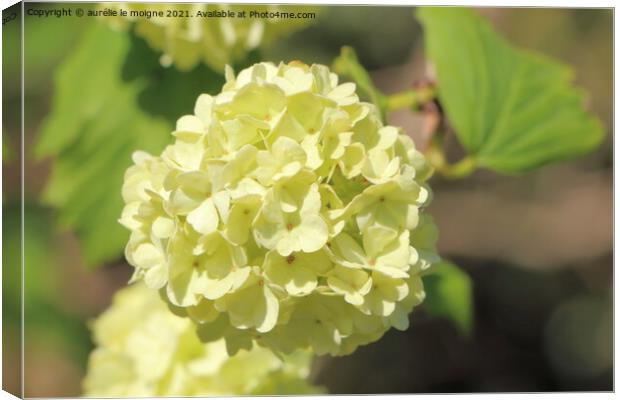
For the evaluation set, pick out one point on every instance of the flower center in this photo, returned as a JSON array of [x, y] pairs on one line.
[[289, 226], [290, 259]]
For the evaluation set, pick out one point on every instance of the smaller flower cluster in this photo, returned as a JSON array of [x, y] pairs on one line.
[[144, 350], [188, 35], [284, 213]]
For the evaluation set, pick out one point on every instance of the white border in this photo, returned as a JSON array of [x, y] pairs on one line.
[[479, 3]]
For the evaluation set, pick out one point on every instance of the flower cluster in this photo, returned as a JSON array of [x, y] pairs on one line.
[[188, 34], [284, 213], [144, 350]]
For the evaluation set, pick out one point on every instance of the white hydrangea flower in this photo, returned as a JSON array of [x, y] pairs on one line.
[[188, 34], [144, 350], [284, 213]]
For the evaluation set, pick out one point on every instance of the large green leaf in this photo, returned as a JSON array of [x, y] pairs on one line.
[[512, 109], [94, 127], [449, 294], [112, 97]]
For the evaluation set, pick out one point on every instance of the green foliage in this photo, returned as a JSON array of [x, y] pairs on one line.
[[11, 261], [39, 275], [513, 110], [94, 126], [43, 51], [449, 294], [11, 79], [42, 280], [169, 92], [6, 148], [11, 54], [112, 97]]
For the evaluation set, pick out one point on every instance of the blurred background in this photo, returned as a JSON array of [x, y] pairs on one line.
[[537, 247]]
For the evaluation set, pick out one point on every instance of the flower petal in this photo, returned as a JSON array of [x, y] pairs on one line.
[[204, 219]]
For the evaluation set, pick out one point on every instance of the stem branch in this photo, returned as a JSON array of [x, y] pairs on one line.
[[409, 98], [437, 158]]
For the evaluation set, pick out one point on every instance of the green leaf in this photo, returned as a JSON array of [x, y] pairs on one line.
[[44, 314], [169, 92], [11, 261], [112, 97], [11, 56], [449, 294], [43, 51], [6, 148], [41, 276], [513, 110], [348, 66], [94, 127]]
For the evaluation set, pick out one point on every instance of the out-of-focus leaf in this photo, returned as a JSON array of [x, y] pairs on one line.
[[94, 127], [449, 294], [513, 110], [40, 257], [43, 316], [348, 66], [6, 148], [11, 261], [112, 97], [11, 82], [11, 54], [44, 50], [168, 92]]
